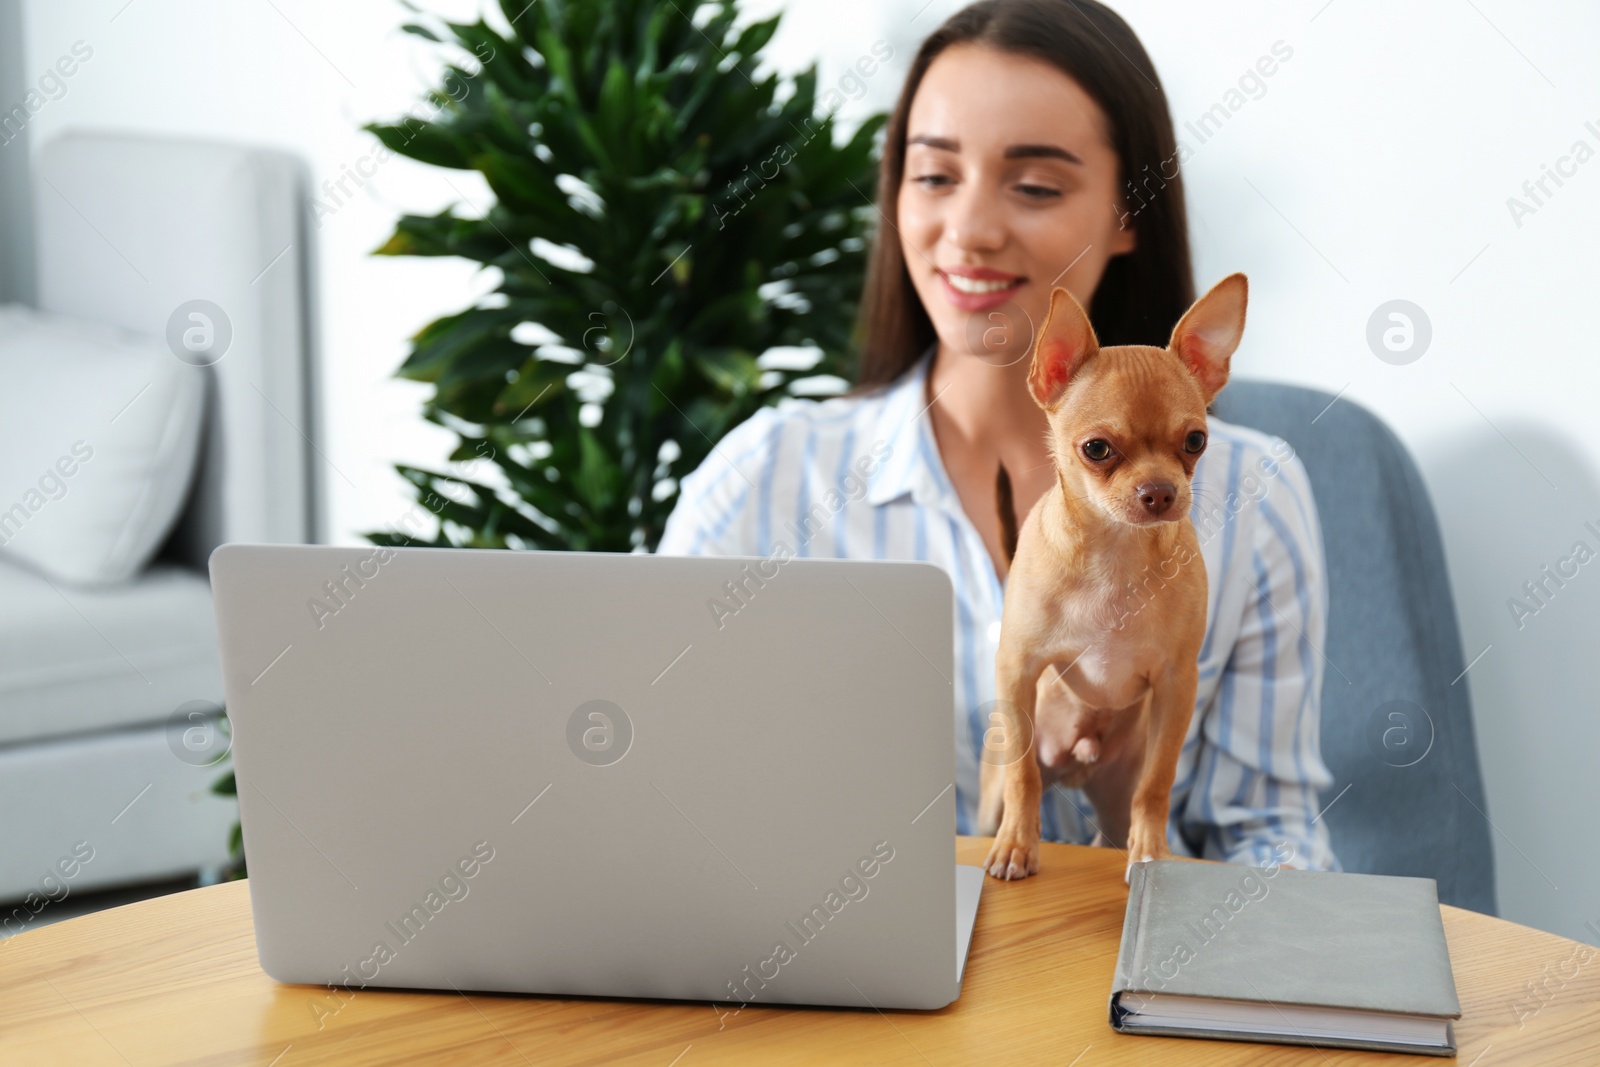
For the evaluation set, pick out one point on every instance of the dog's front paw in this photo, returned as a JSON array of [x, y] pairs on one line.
[[1146, 843], [1015, 852]]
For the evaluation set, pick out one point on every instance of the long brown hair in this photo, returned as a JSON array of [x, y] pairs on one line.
[[1143, 293]]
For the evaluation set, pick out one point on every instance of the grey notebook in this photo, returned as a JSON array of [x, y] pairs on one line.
[[1296, 957]]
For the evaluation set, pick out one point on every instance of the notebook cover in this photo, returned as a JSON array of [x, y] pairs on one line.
[[1285, 937]]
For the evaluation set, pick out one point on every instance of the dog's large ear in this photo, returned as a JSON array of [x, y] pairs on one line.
[[1065, 344], [1209, 332]]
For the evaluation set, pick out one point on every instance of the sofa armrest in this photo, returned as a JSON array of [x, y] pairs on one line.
[[133, 227]]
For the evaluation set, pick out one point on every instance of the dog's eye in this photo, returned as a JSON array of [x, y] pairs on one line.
[[1195, 442], [1097, 449]]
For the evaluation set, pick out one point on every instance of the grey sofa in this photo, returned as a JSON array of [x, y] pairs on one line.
[[130, 227]]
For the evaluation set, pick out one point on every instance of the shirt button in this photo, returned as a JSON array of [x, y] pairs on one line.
[[994, 633]]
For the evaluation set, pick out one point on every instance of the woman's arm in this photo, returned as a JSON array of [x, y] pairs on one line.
[[1259, 769]]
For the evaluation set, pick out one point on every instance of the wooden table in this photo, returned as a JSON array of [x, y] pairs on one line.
[[175, 981]]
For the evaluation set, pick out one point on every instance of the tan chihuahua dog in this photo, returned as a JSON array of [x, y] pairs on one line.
[[1127, 425]]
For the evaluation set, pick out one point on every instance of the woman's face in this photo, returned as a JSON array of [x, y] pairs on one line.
[[1010, 189]]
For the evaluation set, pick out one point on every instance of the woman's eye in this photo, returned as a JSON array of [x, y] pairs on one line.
[[1195, 442], [931, 180], [1039, 192], [1097, 449]]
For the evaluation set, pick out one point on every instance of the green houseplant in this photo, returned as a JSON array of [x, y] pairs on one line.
[[663, 216], [679, 241]]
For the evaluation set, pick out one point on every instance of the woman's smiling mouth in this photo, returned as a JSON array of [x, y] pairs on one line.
[[977, 288]]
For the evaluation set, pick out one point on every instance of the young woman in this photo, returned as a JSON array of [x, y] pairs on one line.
[[1031, 147]]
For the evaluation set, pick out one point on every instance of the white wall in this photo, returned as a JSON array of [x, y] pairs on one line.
[[1375, 166]]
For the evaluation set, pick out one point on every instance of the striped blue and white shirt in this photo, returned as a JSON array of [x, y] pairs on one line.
[[1251, 766]]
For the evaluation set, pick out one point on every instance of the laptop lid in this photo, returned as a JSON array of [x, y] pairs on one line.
[[724, 779]]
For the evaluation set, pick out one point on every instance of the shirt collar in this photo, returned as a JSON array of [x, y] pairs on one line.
[[912, 464]]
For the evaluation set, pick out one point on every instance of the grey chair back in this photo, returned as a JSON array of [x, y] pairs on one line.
[[1396, 715]]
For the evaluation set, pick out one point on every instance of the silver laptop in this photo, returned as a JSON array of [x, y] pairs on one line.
[[720, 779]]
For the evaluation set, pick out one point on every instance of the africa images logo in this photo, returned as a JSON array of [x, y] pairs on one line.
[[852, 487], [452, 887], [852, 887]]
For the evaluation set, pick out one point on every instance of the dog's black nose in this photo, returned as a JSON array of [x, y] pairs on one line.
[[1157, 497]]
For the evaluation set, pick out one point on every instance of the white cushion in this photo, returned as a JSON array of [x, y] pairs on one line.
[[99, 430], [74, 659]]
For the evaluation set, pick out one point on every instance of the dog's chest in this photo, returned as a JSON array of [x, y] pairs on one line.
[[1109, 648], [1110, 673]]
